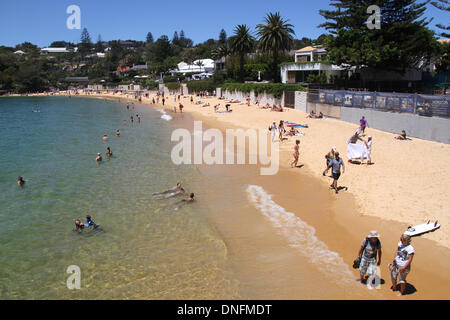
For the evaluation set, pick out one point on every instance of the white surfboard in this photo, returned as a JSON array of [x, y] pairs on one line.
[[422, 228]]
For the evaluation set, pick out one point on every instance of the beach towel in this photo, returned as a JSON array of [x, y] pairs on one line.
[[296, 125], [356, 150]]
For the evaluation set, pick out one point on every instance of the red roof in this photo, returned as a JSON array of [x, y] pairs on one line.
[[123, 69]]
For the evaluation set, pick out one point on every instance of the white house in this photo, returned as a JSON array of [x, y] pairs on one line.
[[309, 60], [201, 65], [54, 50]]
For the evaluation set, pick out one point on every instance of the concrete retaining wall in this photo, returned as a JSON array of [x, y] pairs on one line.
[[428, 128], [241, 96]]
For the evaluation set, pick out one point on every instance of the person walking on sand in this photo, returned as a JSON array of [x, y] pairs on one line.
[[369, 151], [367, 256], [273, 130], [296, 153], [401, 265], [328, 157], [363, 124], [181, 108], [336, 164], [281, 130]]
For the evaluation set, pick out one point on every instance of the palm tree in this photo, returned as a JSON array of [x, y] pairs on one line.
[[221, 51], [274, 36], [200, 64], [242, 43]]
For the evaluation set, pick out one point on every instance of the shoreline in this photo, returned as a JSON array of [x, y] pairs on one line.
[[345, 210]]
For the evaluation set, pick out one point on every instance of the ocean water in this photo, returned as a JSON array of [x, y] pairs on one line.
[[144, 250], [234, 242]]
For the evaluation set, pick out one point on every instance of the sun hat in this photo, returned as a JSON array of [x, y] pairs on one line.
[[334, 149], [373, 234]]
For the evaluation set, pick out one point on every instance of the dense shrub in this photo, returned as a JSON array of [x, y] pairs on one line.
[[275, 89], [172, 86]]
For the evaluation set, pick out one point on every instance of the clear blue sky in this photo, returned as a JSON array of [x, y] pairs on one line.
[[44, 21]]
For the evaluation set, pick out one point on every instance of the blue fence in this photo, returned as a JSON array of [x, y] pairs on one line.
[[421, 104]]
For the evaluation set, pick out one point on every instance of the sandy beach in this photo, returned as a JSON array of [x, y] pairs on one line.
[[403, 187]]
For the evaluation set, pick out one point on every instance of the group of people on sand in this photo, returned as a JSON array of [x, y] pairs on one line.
[[273, 129], [368, 261], [312, 115], [354, 150]]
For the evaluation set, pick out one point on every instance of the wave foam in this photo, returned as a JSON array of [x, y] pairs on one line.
[[165, 116], [300, 235]]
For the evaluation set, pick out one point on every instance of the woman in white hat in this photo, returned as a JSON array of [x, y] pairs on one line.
[[273, 130], [367, 256], [99, 157], [368, 144]]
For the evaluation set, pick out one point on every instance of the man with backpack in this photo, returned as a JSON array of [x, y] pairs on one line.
[[367, 256]]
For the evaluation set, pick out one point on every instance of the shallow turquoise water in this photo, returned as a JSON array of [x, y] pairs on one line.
[[146, 250]]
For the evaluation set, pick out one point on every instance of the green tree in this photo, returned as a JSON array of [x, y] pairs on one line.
[[242, 43], [185, 42], [402, 41], [149, 38], [85, 37], [443, 5], [175, 39], [161, 49], [222, 36], [99, 44], [443, 59], [59, 44], [274, 36], [85, 42]]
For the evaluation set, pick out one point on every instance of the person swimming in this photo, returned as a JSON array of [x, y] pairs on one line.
[[172, 194], [176, 188], [190, 199], [182, 202], [108, 152], [118, 132], [105, 137], [79, 226], [89, 222], [20, 181], [99, 157]]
